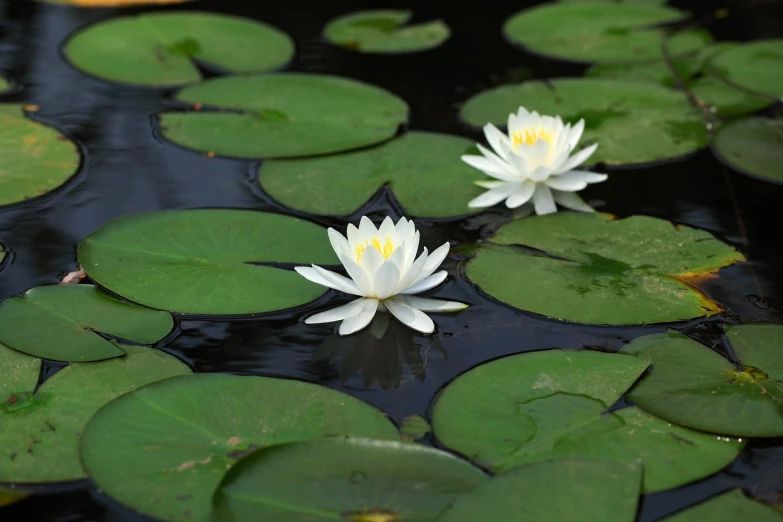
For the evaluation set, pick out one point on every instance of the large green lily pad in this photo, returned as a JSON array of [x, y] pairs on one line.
[[381, 31], [693, 386], [555, 491], [658, 72], [752, 146], [340, 184], [594, 269], [34, 159], [39, 432], [600, 31], [209, 261], [344, 479], [632, 122], [160, 49], [535, 407], [62, 323], [164, 449], [755, 66], [283, 115], [728, 507]]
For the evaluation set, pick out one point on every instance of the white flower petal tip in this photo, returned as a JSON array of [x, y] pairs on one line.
[[533, 161]]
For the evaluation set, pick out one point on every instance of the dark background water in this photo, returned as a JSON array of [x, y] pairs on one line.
[[127, 168]]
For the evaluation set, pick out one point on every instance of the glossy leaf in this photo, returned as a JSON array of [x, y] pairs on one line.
[[755, 66], [163, 449], [752, 146], [727, 507], [64, 323], [209, 261], [383, 31]]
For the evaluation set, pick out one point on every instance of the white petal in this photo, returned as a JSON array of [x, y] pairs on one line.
[[324, 277], [386, 279], [543, 201], [497, 140], [493, 196], [571, 200], [427, 283], [522, 195], [520, 166], [430, 305], [578, 158], [410, 317], [386, 228], [361, 317], [413, 272], [565, 183], [358, 275], [337, 313], [575, 134], [354, 237], [488, 184], [433, 261], [536, 154], [590, 177], [367, 228], [541, 173], [338, 241], [488, 167], [370, 261]]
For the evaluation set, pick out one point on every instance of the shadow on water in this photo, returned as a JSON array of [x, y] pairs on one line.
[[128, 169]]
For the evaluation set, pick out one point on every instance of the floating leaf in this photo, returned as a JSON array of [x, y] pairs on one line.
[[19, 375], [594, 269], [208, 261], [61, 323], [555, 491], [286, 114], [39, 432], [755, 66], [633, 122], [728, 507], [600, 32], [34, 159], [5, 85], [414, 427], [379, 31], [726, 100], [163, 449], [752, 146], [656, 72], [340, 184], [693, 386], [147, 49]]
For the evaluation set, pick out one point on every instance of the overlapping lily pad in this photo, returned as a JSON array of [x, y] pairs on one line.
[[344, 479], [605, 32], [691, 385], [65, 323], [725, 100], [174, 441], [591, 268], [658, 72], [752, 146], [340, 184], [162, 49], [728, 507], [382, 31], [209, 261], [34, 158], [283, 115], [547, 405], [755, 66], [39, 432], [555, 491], [632, 122]]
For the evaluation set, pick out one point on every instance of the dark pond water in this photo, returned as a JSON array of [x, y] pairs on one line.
[[127, 169]]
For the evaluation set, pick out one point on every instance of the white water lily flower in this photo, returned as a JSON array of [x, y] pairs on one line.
[[385, 272], [534, 161]]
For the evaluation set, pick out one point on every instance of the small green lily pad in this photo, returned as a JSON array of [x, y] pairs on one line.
[[340, 184], [350, 479], [726, 101], [693, 386], [414, 427], [159, 49], [39, 432], [752, 146], [34, 158], [380, 31], [605, 32], [755, 66], [728, 507], [555, 491], [61, 323], [632, 122], [5, 85], [591, 268], [163, 449], [207, 261]]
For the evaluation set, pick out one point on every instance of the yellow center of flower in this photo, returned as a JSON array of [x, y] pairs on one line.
[[386, 248], [529, 136]]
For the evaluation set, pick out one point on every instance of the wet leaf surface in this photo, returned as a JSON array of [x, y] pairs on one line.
[[383, 31], [755, 66]]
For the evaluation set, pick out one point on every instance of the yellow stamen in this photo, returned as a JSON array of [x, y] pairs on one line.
[[386, 249], [530, 136]]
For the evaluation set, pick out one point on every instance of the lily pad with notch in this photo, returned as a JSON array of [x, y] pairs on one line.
[[383, 31], [728, 507], [175, 440], [163, 49], [754, 66], [752, 146], [71, 322], [595, 269], [693, 386]]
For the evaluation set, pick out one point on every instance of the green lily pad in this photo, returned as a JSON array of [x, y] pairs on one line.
[[380, 31], [594, 269], [5, 85], [164, 449], [693, 386], [728, 507], [286, 114], [725, 100], [755, 66], [632, 122], [340, 184], [61, 323], [600, 31], [207, 261], [657, 72], [555, 491], [39, 432], [19, 374], [536, 407], [360, 480], [159, 49], [414, 427], [752, 146], [34, 158]]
